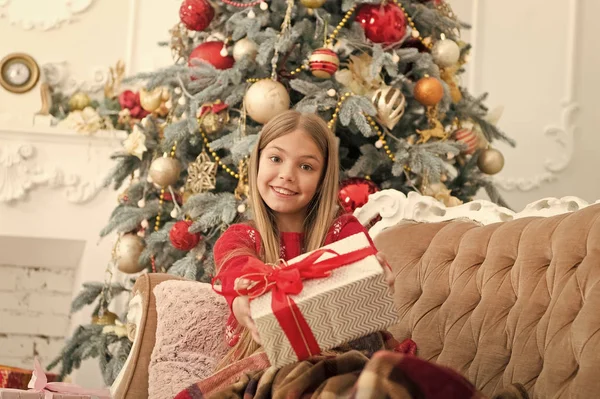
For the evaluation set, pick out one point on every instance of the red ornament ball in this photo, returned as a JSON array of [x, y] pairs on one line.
[[354, 193], [382, 23], [180, 236], [211, 52], [323, 63], [196, 14], [469, 138]]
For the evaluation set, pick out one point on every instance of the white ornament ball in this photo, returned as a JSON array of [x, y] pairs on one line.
[[266, 99], [244, 48], [445, 53], [128, 251], [241, 208], [165, 171]]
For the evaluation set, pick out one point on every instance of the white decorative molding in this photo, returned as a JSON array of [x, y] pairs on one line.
[[43, 15], [19, 174], [21, 170], [562, 135], [394, 207], [57, 75]]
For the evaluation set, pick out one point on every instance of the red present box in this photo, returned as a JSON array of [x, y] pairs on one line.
[[17, 378]]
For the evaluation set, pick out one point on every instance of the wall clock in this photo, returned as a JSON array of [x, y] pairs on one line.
[[19, 73]]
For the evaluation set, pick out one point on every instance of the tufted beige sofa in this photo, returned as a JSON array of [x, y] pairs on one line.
[[502, 297]]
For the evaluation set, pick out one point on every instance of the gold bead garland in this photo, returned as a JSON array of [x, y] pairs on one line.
[[161, 198], [381, 137], [339, 26], [337, 110], [217, 158], [427, 44]]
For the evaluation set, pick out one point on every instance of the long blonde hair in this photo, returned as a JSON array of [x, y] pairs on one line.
[[321, 211]]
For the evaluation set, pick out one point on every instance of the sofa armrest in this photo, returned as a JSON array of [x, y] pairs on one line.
[[132, 381]]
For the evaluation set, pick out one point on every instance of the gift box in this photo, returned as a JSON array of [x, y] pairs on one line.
[[18, 378], [41, 388], [320, 300], [7, 393]]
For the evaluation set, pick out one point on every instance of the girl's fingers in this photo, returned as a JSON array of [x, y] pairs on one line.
[[253, 330]]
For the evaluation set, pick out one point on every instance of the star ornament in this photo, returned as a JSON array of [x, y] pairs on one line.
[[135, 143], [202, 174]]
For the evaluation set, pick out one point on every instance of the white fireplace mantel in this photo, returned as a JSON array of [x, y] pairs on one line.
[[52, 208]]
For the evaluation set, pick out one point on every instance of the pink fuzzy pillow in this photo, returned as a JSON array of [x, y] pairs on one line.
[[189, 336]]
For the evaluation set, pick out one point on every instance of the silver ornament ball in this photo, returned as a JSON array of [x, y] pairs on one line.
[[445, 53], [244, 48], [128, 251], [266, 99], [165, 171]]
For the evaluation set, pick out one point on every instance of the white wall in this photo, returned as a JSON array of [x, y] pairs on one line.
[[537, 58]]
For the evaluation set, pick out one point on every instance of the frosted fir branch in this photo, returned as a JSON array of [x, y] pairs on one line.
[[347, 4], [157, 245], [188, 267], [266, 46], [370, 160], [427, 159], [175, 132], [209, 209], [473, 108], [83, 344], [424, 65], [381, 60], [494, 194], [128, 218], [430, 22], [112, 362], [126, 165], [240, 25], [354, 110], [91, 291], [236, 95], [243, 147]]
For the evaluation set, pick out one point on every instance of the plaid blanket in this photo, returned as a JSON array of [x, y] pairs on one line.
[[352, 374]]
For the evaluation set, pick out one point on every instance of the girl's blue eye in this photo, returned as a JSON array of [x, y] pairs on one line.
[[306, 167], [275, 159]]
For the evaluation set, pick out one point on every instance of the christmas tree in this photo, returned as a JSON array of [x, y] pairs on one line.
[[385, 76]]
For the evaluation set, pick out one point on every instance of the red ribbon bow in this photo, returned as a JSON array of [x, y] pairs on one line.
[[215, 108], [288, 280]]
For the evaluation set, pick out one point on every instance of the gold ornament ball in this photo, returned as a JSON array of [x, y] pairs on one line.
[[79, 101], [128, 251], [490, 161], [107, 319], [429, 91], [312, 3], [151, 100], [244, 48], [164, 171], [266, 99], [213, 123]]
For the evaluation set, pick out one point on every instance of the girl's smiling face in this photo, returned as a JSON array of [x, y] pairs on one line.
[[289, 172]]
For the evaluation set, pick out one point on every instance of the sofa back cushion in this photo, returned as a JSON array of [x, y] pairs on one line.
[[513, 302]]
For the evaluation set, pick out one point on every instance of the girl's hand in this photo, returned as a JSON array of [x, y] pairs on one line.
[[241, 310], [387, 269]]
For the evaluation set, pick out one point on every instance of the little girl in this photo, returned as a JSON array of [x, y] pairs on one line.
[[293, 179], [293, 192]]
